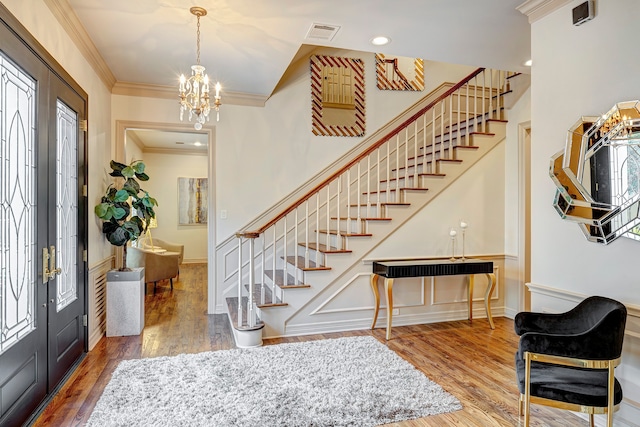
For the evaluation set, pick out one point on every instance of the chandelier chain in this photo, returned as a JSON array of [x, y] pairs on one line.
[[198, 42]]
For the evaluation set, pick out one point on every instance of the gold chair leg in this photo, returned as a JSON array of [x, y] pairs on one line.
[[591, 423], [520, 401]]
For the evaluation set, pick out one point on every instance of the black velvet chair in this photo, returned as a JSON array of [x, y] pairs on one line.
[[567, 360]]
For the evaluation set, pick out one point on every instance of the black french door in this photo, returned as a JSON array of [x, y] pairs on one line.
[[42, 226]]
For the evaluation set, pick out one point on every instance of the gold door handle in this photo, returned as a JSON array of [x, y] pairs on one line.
[[52, 259], [49, 269], [45, 265]]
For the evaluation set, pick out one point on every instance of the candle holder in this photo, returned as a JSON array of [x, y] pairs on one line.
[[463, 226], [453, 234]]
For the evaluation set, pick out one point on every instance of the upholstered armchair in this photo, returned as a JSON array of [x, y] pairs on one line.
[[567, 360], [157, 266], [145, 243]]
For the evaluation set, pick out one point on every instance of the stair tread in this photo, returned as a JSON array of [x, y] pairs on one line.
[[433, 174], [449, 160], [279, 280], [344, 233], [363, 218], [268, 295], [401, 188], [232, 308], [299, 262], [321, 247]]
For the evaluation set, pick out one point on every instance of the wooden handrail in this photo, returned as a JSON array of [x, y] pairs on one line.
[[364, 154]]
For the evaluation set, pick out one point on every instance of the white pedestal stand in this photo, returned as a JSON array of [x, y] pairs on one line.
[[125, 302]]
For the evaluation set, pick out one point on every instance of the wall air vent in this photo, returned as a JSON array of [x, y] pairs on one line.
[[322, 32]]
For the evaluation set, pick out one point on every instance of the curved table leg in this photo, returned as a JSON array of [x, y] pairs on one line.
[[487, 297], [376, 295], [388, 286]]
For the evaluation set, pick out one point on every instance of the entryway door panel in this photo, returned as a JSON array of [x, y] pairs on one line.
[[41, 217]]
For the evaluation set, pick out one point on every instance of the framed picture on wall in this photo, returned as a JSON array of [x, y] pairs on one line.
[[192, 201]]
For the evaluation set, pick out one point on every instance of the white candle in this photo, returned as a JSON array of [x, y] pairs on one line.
[[452, 233], [217, 89]]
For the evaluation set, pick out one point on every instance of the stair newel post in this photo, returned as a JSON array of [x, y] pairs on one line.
[[251, 314], [306, 234], [262, 281], [348, 200], [239, 235], [295, 237]]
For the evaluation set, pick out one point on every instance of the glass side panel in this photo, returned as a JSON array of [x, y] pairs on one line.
[[18, 240], [66, 205]]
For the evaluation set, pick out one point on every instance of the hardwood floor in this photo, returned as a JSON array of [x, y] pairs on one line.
[[469, 360]]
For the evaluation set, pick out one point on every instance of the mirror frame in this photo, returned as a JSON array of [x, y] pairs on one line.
[[319, 125]]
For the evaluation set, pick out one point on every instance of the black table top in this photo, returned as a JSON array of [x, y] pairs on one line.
[[431, 267]]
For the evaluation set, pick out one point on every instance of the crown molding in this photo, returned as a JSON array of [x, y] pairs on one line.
[[538, 9], [180, 151], [170, 92], [68, 19]]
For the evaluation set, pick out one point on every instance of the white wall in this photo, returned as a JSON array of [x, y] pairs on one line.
[[163, 171], [579, 71], [41, 23], [582, 71]]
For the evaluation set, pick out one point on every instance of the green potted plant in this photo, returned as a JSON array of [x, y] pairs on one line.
[[116, 206]]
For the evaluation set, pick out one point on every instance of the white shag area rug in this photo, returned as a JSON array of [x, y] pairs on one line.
[[354, 381]]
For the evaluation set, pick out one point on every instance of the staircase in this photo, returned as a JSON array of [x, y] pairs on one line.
[[322, 238]]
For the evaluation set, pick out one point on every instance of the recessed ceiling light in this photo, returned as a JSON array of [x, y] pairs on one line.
[[380, 40], [528, 63], [197, 144]]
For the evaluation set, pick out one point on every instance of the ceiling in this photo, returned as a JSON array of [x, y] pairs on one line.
[[248, 44]]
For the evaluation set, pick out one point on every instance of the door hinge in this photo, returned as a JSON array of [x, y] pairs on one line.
[[85, 190], [84, 320], [83, 125], [84, 255]]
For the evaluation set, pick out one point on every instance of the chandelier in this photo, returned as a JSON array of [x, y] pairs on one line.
[[194, 91]]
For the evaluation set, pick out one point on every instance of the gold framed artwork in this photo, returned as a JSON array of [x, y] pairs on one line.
[[399, 73], [192, 201], [337, 96]]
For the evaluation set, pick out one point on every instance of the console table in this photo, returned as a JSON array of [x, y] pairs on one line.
[[391, 270]]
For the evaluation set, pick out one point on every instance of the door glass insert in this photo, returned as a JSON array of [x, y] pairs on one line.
[[66, 204], [18, 260]]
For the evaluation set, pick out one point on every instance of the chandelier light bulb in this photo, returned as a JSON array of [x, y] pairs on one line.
[[463, 225]]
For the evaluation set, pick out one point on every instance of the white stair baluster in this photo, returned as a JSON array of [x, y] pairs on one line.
[[239, 280]]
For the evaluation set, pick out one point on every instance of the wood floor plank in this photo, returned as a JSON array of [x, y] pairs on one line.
[[469, 360]]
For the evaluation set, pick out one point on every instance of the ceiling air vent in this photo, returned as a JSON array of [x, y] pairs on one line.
[[322, 32]]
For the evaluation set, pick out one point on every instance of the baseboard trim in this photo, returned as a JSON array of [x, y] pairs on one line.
[[398, 320]]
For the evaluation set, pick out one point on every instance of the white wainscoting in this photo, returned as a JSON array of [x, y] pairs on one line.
[[553, 300], [97, 295]]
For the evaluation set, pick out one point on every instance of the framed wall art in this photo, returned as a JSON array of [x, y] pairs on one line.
[[192, 201]]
